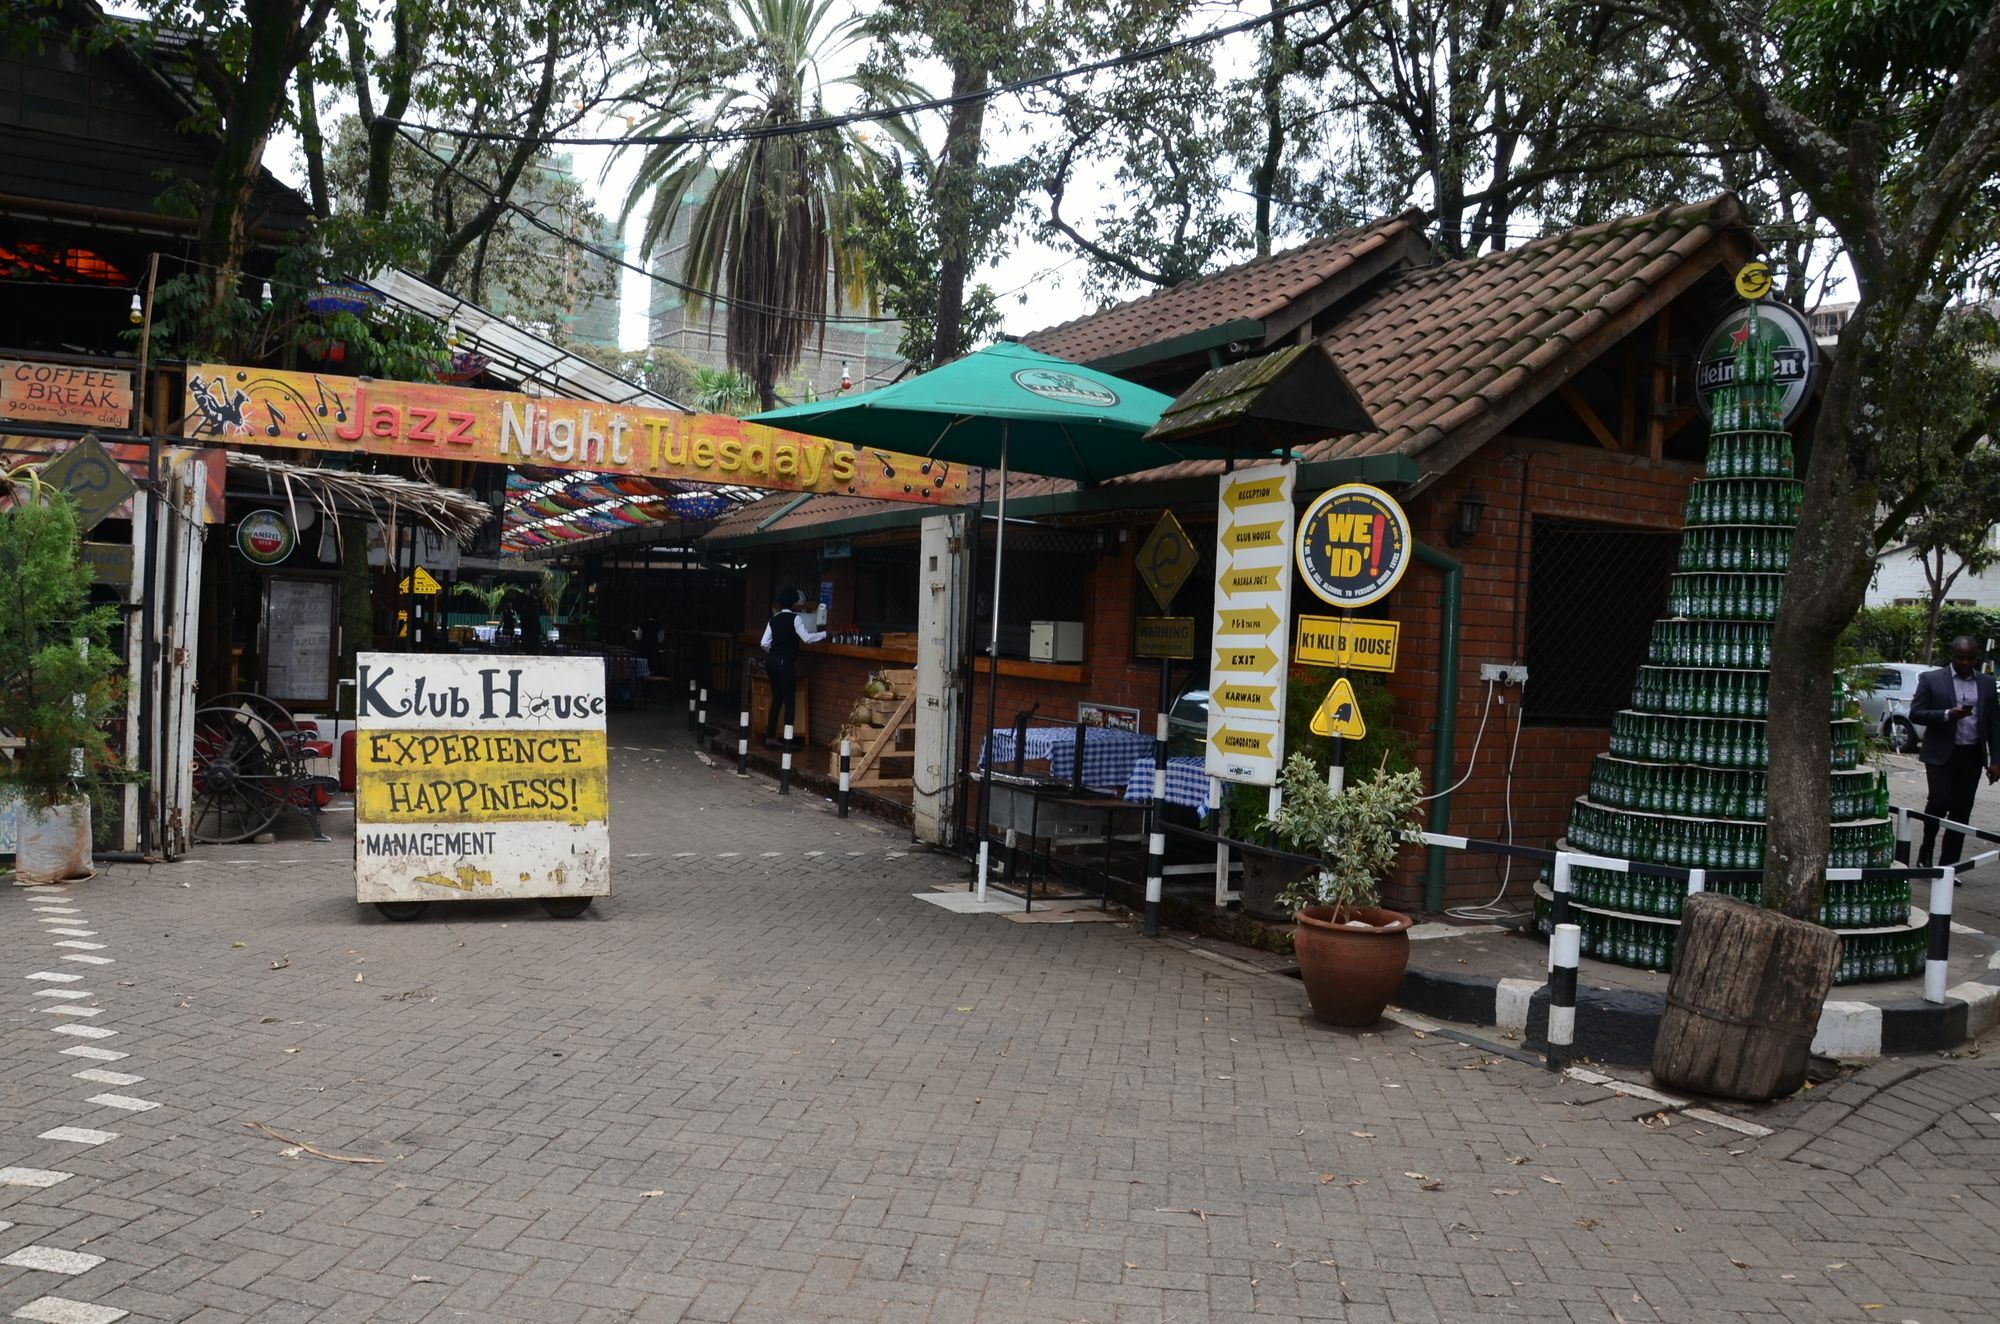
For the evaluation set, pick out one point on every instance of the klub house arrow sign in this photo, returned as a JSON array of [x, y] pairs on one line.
[[1253, 593]]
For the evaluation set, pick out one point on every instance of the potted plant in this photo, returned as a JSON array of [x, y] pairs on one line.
[[1351, 952], [56, 683]]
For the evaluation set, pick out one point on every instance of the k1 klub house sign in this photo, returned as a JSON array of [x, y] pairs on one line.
[[317, 411], [480, 778]]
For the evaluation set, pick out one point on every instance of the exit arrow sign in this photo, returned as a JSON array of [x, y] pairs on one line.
[[1253, 660], [1246, 620]]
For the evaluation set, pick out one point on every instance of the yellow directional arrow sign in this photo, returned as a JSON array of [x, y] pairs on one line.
[[1254, 660], [1340, 714], [1232, 741], [1256, 492], [1264, 580], [1246, 620], [1250, 537], [1236, 698]]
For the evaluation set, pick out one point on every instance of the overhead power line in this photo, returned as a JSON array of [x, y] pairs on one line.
[[825, 122]]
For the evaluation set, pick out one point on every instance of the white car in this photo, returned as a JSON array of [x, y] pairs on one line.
[[1885, 690]]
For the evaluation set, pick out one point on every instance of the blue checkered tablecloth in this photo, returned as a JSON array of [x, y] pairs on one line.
[[1108, 756], [1188, 783]]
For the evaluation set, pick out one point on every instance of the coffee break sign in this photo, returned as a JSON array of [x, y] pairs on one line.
[[480, 778], [65, 393], [318, 411]]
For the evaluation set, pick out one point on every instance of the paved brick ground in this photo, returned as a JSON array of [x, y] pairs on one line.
[[763, 1083]]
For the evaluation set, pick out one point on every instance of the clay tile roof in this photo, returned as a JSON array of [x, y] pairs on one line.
[[834, 508], [1458, 350], [1255, 290]]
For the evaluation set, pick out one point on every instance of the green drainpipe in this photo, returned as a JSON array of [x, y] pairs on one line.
[[1447, 710]]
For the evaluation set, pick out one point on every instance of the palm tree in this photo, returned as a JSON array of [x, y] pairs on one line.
[[723, 392], [770, 230]]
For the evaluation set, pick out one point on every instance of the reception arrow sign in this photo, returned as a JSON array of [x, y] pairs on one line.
[[1262, 492]]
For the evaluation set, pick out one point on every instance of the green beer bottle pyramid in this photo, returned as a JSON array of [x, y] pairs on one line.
[[1684, 782]]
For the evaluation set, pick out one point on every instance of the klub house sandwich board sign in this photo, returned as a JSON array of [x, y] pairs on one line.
[[480, 778], [316, 411]]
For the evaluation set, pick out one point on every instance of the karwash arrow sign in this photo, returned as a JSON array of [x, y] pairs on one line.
[[1253, 594]]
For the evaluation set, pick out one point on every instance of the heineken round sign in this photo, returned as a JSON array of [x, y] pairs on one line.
[[1066, 388], [1353, 545], [1783, 331], [264, 537]]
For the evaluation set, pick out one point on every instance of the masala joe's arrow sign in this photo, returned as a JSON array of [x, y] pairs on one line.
[[1253, 590]]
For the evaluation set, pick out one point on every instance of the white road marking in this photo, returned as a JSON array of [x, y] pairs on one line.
[[55, 976], [771, 854], [79, 945], [72, 1011], [102, 1077], [125, 1101], [67, 994], [94, 1054], [89, 960], [728, 855], [32, 1177], [57, 910], [61, 1310], [51, 1260], [78, 1135], [686, 854], [83, 1031], [76, 933]]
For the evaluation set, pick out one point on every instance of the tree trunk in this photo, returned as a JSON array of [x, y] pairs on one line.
[[955, 184], [1833, 558], [1264, 182], [1744, 1000]]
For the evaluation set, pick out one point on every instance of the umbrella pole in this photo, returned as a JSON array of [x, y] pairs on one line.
[[992, 673]]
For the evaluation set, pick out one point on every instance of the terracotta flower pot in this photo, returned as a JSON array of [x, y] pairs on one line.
[[1351, 971]]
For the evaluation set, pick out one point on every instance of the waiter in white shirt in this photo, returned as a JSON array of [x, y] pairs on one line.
[[783, 634]]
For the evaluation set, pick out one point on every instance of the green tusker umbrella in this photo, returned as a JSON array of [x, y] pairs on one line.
[[1006, 406]]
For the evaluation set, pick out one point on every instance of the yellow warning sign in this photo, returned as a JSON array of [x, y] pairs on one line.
[[1340, 715], [1166, 559], [426, 587]]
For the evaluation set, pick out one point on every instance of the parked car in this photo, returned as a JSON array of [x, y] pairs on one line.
[[1885, 690], [1187, 722]]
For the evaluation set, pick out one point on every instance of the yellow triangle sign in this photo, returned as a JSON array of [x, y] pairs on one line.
[[1340, 715], [426, 585]]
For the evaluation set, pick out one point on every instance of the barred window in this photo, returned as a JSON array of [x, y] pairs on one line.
[[1594, 591]]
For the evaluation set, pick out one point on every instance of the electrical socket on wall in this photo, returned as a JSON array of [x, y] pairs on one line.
[[1504, 673]]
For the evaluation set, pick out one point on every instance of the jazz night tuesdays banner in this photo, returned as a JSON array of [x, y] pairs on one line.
[[480, 778], [317, 411]]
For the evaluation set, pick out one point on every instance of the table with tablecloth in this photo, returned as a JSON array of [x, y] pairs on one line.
[[1188, 783], [1108, 755]]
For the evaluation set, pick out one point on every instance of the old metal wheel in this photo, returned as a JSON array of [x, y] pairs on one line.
[[244, 774], [566, 907], [401, 912]]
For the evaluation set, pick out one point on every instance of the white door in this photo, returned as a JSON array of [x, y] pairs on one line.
[[940, 697]]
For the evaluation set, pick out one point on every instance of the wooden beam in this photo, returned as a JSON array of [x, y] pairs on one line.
[[1589, 416], [1663, 366], [889, 732]]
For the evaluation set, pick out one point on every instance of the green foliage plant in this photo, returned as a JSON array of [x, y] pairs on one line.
[[57, 687], [1356, 833]]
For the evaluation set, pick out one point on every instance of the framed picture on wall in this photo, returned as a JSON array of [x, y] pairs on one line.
[[301, 640], [1107, 716]]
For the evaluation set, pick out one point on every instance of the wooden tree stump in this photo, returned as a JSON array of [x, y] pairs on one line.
[[1744, 1001]]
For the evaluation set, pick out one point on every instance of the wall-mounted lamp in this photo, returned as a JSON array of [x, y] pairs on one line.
[[1465, 524]]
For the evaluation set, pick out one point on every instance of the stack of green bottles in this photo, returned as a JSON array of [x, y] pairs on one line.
[[1702, 843], [1727, 644], [1717, 742], [1744, 501], [1736, 548], [1758, 454], [1870, 903], [1649, 945], [1726, 597], [1701, 692], [1668, 788]]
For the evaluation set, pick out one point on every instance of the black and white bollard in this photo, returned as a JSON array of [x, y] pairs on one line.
[[1937, 956], [1156, 840], [785, 764], [846, 765], [743, 743], [1559, 887], [1565, 950], [701, 716], [1902, 835], [691, 707]]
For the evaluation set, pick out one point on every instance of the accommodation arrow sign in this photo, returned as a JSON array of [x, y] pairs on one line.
[[1254, 660], [1232, 741], [1263, 491], [1245, 698], [1247, 620]]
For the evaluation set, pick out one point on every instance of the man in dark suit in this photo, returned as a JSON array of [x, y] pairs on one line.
[[1958, 710]]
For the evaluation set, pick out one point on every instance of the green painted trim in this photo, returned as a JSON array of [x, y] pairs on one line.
[[783, 511], [1194, 342], [1442, 753]]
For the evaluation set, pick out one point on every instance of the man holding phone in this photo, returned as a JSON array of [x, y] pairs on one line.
[[1957, 708]]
